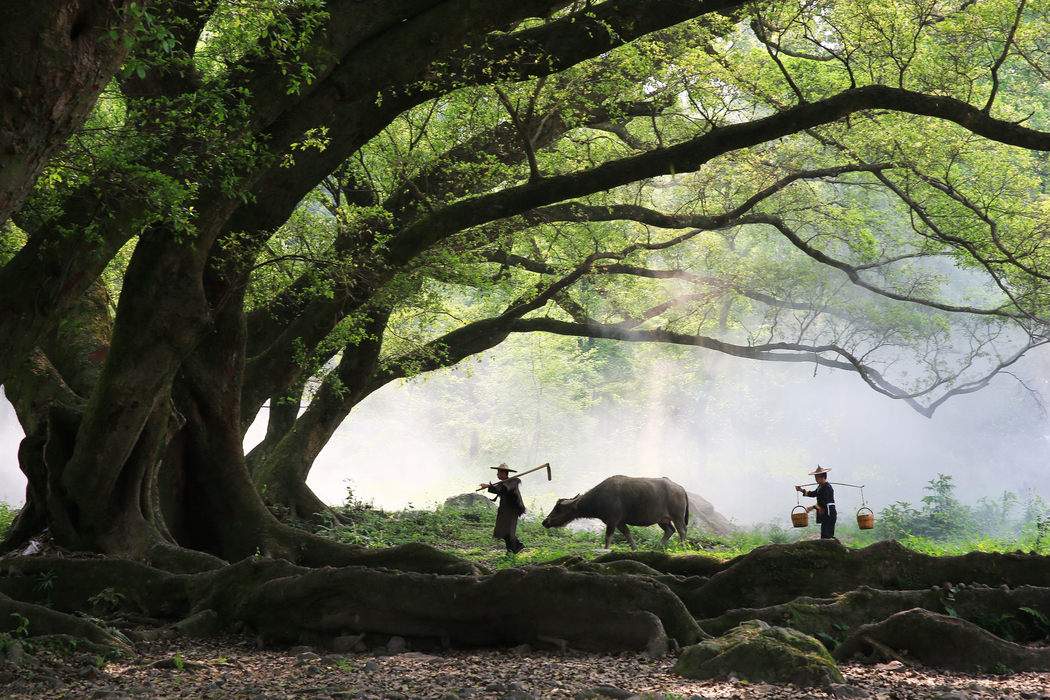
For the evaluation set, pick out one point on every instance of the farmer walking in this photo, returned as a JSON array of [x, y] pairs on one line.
[[511, 507], [825, 495]]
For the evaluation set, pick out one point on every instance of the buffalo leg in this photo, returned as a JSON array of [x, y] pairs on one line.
[[668, 529], [682, 525], [609, 530], [627, 533]]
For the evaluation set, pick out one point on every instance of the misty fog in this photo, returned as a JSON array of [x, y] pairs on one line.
[[739, 433]]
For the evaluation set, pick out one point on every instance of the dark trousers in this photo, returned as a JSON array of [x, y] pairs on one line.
[[827, 523]]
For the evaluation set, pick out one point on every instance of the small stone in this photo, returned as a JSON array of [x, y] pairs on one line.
[[51, 681], [396, 645], [841, 690], [372, 666], [467, 693], [495, 688], [313, 671], [522, 650], [586, 694], [1027, 695], [346, 643], [392, 695], [953, 695], [88, 672], [303, 649], [307, 656]]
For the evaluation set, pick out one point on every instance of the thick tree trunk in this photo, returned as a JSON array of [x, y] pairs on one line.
[[281, 478], [57, 56]]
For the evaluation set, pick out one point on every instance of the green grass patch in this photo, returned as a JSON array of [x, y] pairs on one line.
[[467, 531]]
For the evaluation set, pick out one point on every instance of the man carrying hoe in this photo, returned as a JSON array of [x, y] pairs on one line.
[[511, 507]]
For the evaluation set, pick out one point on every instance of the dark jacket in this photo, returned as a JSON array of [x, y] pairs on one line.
[[825, 495], [511, 506]]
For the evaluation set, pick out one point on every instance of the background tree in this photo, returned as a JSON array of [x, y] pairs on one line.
[[301, 202]]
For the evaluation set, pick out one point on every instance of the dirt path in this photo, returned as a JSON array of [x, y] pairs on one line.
[[231, 667]]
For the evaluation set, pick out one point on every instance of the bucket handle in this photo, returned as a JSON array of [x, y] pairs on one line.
[[796, 508], [867, 509]]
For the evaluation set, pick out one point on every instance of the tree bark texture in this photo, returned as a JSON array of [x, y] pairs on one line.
[[56, 56]]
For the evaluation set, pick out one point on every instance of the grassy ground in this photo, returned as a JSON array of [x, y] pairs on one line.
[[468, 533]]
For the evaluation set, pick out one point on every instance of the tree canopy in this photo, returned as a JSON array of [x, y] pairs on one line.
[[292, 204]]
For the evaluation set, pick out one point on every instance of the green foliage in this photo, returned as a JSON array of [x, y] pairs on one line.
[[16, 635], [107, 600], [1038, 620], [44, 585], [23, 625], [945, 524], [833, 640], [863, 241], [7, 517]]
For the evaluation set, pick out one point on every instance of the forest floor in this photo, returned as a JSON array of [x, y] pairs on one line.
[[233, 667]]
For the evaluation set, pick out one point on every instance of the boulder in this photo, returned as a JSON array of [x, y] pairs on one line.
[[703, 516], [468, 500], [758, 653]]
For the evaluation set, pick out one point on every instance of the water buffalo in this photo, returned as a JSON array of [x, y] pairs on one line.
[[620, 501]]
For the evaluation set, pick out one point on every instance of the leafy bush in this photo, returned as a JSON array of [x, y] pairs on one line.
[[944, 525], [7, 516]]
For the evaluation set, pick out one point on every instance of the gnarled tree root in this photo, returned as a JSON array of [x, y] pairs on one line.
[[940, 641], [1002, 611], [286, 603]]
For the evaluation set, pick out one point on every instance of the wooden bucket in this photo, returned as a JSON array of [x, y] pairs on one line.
[[799, 519], [865, 521]]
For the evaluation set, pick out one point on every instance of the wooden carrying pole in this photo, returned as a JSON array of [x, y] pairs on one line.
[[546, 466]]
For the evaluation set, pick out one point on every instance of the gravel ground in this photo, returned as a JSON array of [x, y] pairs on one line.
[[231, 667]]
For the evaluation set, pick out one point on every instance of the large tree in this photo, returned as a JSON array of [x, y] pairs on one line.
[[286, 202]]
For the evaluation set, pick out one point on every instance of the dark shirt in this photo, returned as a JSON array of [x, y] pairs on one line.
[[825, 495], [509, 495]]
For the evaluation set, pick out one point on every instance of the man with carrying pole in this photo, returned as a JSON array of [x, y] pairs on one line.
[[827, 514], [511, 505]]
